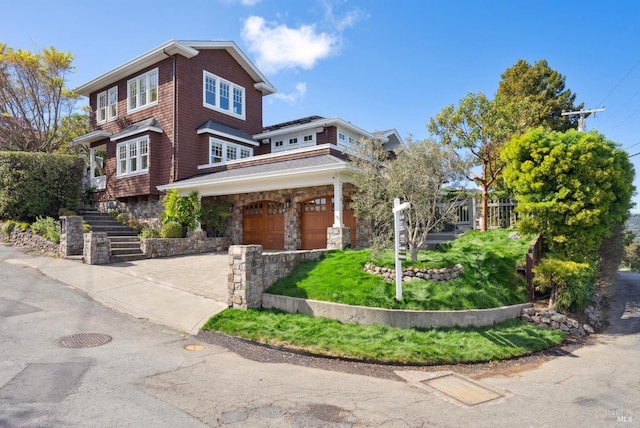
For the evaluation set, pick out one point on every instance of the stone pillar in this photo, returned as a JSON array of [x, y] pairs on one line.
[[246, 283], [338, 238], [337, 204], [96, 248], [71, 240]]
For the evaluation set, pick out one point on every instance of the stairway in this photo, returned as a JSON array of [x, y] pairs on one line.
[[124, 244]]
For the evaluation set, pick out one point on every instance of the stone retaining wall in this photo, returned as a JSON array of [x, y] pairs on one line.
[[168, 247], [25, 239], [96, 248], [443, 274], [251, 272], [393, 317]]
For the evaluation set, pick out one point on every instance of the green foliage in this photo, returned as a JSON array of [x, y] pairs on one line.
[[186, 211], [490, 278], [33, 99], [47, 227], [381, 343], [571, 284], [149, 232], [212, 218], [171, 229], [86, 227], [122, 218], [38, 184], [8, 227], [66, 212], [572, 187], [542, 89], [480, 128], [417, 174]]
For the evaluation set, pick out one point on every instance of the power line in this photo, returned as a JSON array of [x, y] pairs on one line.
[[582, 116], [621, 80]]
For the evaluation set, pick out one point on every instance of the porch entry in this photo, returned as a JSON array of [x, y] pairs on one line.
[[263, 224], [317, 215]]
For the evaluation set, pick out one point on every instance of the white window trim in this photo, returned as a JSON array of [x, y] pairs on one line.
[[348, 141], [288, 146], [109, 92], [226, 161], [99, 117], [232, 87], [148, 104], [119, 173]]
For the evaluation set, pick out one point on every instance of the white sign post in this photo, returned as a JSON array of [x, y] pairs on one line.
[[400, 228]]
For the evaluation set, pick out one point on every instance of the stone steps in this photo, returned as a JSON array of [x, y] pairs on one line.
[[124, 243]]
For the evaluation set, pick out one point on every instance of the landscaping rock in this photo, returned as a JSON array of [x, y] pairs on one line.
[[553, 320], [443, 274]]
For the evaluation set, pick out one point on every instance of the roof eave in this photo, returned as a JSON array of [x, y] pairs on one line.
[[334, 121]]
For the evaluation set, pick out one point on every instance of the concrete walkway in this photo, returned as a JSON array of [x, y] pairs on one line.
[[179, 292]]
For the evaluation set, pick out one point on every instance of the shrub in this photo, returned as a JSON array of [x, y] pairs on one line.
[[184, 210], [47, 227], [8, 227], [632, 256], [65, 212], [86, 227], [171, 229], [148, 233], [571, 284], [38, 184], [122, 218], [23, 225]]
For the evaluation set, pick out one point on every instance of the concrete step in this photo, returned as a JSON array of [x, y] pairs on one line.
[[126, 252], [127, 258], [129, 246]]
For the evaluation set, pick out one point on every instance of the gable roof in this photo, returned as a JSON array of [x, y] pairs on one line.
[[223, 130], [186, 48], [311, 122]]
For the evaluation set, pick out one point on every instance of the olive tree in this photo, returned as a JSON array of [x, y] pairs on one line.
[[417, 173]]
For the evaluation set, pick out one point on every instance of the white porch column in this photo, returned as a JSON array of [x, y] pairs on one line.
[[92, 166], [337, 210], [198, 224]]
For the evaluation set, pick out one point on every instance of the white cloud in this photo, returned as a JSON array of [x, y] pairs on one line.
[[242, 2], [292, 97], [349, 19], [279, 47]]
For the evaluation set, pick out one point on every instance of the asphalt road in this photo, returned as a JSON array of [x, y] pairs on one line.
[[145, 377]]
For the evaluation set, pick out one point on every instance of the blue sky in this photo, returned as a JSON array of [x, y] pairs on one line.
[[379, 64]]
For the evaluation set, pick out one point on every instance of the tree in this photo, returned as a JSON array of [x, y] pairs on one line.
[[543, 89], [481, 127], [74, 126], [417, 174], [185, 211], [33, 99], [572, 187]]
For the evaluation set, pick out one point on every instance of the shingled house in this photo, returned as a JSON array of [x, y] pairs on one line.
[[187, 115]]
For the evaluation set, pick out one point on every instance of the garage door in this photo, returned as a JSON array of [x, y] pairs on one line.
[[317, 216], [263, 224]]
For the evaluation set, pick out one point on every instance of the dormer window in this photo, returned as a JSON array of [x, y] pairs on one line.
[[223, 96], [142, 91]]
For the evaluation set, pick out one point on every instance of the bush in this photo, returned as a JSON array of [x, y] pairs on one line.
[[86, 227], [632, 256], [8, 227], [122, 218], [38, 184], [149, 233], [571, 284], [66, 212], [171, 229], [47, 227]]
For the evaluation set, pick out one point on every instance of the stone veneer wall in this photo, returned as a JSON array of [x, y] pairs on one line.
[[143, 211], [96, 248], [409, 273], [251, 272], [71, 239], [168, 247], [338, 238], [25, 239], [293, 239]]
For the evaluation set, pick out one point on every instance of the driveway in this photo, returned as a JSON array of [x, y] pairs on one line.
[[201, 274]]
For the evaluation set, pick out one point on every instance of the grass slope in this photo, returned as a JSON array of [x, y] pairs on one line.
[[489, 280], [385, 344]]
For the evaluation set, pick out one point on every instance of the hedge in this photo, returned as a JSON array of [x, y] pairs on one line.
[[38, 184]]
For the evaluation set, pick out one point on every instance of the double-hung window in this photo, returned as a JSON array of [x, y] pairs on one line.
[[133, 157], [223, 151], [224, 96], [142, 91], [107, 105]]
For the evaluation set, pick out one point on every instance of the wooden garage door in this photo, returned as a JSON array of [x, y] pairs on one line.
[[317, 216], [263, 224]]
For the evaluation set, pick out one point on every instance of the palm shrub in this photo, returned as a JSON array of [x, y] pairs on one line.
[[571, 284], [186, 211]]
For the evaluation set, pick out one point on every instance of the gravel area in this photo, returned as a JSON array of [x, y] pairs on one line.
[[268, 354]]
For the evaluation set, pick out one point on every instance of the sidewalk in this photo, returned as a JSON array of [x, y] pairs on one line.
[[123, 291]]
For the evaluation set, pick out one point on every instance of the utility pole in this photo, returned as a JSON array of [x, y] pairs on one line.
[[582, 116]]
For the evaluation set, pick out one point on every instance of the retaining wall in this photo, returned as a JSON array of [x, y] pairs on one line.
[[169, 247], [393, 317]]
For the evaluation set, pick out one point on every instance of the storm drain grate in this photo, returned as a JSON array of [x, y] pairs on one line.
[[84, 340], [462, 390]]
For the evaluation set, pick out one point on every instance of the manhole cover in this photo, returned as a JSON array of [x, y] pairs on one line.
[[462, 390], [84, 340]]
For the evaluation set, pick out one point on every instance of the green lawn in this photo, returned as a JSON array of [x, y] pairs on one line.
[[490, 278], [385, 344]]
